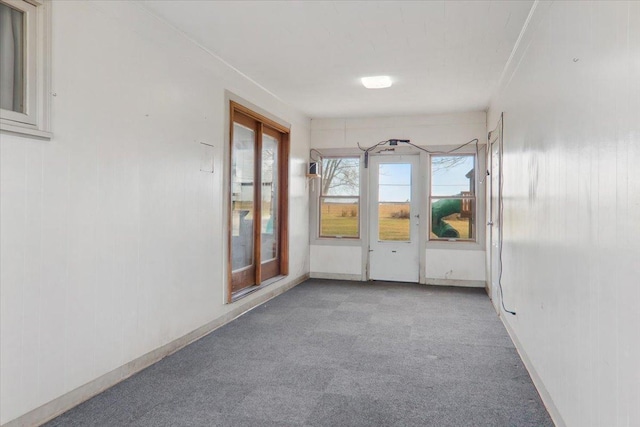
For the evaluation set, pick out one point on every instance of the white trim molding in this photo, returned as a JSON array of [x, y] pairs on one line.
[[457, 283], [537, 381], [336, 276]]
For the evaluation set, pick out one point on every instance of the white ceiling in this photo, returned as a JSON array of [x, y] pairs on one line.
[[442, 56]]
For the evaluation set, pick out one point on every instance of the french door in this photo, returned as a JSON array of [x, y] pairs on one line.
[[258, 217]]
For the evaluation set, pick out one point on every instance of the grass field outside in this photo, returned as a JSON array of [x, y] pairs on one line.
[[341, 219], [394, 222]]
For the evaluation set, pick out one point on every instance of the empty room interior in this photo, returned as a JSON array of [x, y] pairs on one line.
[[319, 213]]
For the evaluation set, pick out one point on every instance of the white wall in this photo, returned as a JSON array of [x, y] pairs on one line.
[[571, 102], [435, 129], [455, 265], [336, 260], [445, 261], [112, 240]]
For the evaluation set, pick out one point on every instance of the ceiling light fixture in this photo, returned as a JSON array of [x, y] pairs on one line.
[[376, 82]]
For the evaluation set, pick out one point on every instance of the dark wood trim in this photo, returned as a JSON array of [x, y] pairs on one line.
[[270, 269], [243, 278], [257, 207], [230, 212], [273, 133], [259, 117], [283, 204], [244, 120]]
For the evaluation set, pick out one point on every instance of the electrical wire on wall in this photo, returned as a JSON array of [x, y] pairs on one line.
[[394, 142], [500, 129], [486, 160]]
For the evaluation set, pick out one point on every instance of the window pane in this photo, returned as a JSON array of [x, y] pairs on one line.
[[452, 175], [452, 218], [339, 217], [269, 198], [341, 177], [242, 180], [394, 201], [393, 221], [12, 56], [394, 182]]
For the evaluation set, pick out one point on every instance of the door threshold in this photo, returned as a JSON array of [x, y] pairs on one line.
[[251, 289]]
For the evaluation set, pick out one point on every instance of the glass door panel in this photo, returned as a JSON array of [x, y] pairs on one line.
[[394, 202], [270, 224], [242, 198], [269, 198]]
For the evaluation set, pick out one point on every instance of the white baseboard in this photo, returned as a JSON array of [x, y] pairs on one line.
[[75, 397], [428, 281], [453, 282], [537, 381], [336, 276]]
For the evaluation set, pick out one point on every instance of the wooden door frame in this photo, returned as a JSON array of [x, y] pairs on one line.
[[236, 111]]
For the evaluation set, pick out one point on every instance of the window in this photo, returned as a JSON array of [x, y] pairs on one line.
[[453, 198], [340, 197], [259, 200], [24, 66]]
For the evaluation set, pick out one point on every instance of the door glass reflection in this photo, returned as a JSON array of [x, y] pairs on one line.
[[269, 227], [242, 183]]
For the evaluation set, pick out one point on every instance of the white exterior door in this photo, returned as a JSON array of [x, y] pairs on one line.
[[494, 217], [394, 249]]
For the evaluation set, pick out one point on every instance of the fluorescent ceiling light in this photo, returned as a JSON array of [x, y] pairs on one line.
[[376, 82]]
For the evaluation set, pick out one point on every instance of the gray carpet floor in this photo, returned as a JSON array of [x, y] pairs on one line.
[[331, 353]]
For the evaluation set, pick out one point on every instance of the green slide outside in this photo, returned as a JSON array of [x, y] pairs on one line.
[[443, 208]]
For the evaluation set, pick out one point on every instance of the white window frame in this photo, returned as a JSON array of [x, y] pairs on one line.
[[315, 185], [358, 197], [35, 121], [474, 198]]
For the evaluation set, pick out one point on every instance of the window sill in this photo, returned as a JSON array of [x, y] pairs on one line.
[[251, 289], [336, 241], [465, 245], [24, 130]]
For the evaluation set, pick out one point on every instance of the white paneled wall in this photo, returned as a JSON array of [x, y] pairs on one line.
[[112, 240], [435, 129], [336, 260], [571, 102], [455, 264], [445, 261]]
